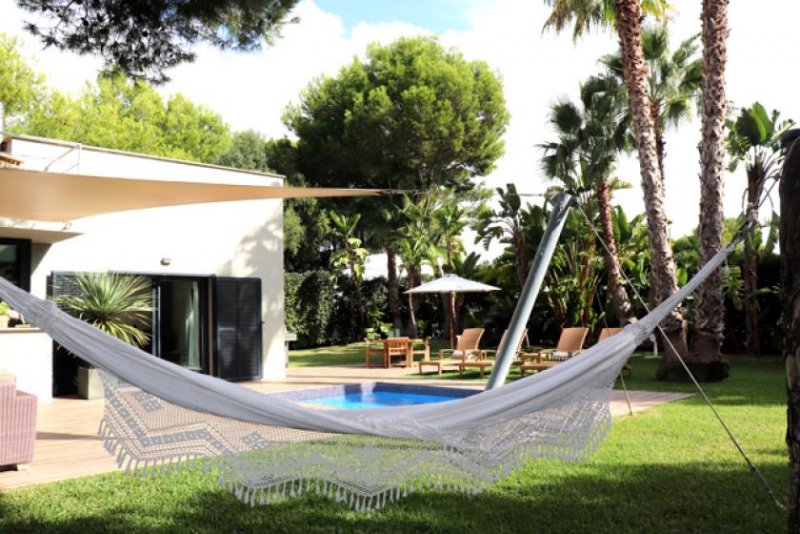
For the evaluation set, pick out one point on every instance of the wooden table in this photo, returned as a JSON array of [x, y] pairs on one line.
[[396, 346]]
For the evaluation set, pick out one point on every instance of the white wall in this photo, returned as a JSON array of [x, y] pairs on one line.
[[28, 354], [241, 239]]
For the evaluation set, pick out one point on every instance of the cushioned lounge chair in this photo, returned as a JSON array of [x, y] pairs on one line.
[[466, 349], [569, 344], [608, 332], [486, 358]]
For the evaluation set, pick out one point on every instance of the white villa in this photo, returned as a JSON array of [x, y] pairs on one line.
[[216, 268]]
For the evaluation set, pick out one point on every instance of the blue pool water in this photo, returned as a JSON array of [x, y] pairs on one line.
[[377, 399]]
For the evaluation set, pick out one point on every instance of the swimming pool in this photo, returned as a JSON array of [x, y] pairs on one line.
[[375, 395]]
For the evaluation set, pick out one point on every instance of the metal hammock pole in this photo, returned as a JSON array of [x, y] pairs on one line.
[[506, 351]]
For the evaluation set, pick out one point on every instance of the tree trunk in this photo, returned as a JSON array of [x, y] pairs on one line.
[[790, 282], [707, 361], [629, 29], [393, 288], [520, 261], [360, 302], [448, 306], [614, 274], [411, 329], [755, 183], [661, 144]]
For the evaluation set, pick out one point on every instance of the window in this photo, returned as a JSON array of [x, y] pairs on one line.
[[15, 262]]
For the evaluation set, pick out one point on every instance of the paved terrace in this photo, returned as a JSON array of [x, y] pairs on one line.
[[67, 445]]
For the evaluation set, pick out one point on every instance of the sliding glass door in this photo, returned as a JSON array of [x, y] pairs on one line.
[[181, 327]]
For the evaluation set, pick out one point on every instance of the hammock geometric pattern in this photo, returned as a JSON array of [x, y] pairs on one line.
[[161, 417]]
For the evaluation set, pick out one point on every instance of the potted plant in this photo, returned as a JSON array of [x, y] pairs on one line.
[[118, 304]]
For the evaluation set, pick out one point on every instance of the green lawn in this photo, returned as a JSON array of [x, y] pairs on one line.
[[670, 469]]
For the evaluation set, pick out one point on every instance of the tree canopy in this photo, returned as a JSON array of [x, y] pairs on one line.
[[411, 116], [127, 115], [19, 83], [143, 38]]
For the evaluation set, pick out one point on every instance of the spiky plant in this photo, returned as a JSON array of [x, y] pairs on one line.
[[118, 304]]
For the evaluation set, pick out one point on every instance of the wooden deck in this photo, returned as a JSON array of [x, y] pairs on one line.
[[67, 445]]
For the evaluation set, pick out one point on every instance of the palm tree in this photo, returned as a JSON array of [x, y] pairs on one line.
[[118, 304], [351, 254], [507, 225], [674, 81], [589, 138], [706, 361], [626, 16], [416, 244], [450, 220], [754, 139]]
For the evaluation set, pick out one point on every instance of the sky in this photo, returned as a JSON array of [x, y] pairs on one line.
[[537, 68]]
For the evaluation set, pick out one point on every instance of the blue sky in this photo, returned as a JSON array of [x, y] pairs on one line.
[[433, 15]]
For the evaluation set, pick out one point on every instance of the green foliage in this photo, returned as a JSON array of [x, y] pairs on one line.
[[309, 304], [144, 38], [247, 151], [322, 311], [754, 139], [4, 308], [20, 86], [674, 77], [587, 14], [117, 113], [412, 116], [118, 304], [350, 253]]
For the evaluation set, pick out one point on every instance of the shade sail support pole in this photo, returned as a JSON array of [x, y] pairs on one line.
[[505, 354]]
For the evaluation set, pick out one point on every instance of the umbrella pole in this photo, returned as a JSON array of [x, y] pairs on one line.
[[452, 313]]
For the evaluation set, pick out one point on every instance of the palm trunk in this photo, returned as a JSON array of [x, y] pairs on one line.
[[393, 287], [521, 262], [755, 183], [360, 303], [707, 361], [629, 29], [448, 306], [411, 280], [613, 272], [661, 144]]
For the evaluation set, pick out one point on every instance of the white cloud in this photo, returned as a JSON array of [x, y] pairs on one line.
[[252, 90]]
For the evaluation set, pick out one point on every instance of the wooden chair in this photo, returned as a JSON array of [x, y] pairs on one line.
[[569, 344], [608, 332], [486, 358], [397, 346], [425, 351], [370, 351], [466, 348]]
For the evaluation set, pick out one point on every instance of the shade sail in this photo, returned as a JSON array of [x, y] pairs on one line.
[[51, 196], [451, 283]]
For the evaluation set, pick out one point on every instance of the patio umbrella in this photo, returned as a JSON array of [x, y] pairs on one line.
[[452, 284]]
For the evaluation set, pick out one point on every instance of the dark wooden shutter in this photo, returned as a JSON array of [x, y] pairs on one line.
[[65, 364], [237, 328]]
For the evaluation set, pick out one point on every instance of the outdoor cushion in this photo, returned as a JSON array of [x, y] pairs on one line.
[[559, 356]]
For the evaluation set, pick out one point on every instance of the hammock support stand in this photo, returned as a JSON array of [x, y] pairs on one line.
[[533, 284]]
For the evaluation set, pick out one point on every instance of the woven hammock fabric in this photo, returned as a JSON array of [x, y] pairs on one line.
[[160, 416]]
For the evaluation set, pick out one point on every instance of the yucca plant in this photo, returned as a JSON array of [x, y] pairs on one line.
[[118, 304]]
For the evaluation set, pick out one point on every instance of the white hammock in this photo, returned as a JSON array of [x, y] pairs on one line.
[[264, 448]]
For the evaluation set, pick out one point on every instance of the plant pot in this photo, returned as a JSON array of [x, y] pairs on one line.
[[90, 385]]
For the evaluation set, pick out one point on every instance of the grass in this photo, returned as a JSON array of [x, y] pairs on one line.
[[670, 469]]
